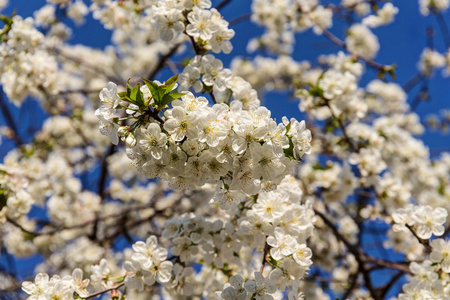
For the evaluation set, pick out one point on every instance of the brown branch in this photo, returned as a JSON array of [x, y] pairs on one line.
[[352, 286], [443, 27], [76, 60], [105, 291], [222, 4], [79, 91], [391, 283], [240, 19], [213, 97], [162, 61], [353, 148], [411, 83], [9, 119], [13, 222], [101, 187], [423, 242], [266, 251], [340, 43]]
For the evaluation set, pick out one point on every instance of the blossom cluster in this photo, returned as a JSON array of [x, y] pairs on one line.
[[241, 151], [56, 287], [169, 20], [235, 216], [425, 220]]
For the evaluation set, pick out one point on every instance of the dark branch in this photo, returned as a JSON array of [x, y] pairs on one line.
[[222, 4], [9, 119], [162, 61]]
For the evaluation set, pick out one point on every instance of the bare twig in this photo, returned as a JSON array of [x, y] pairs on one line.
[[9, 119], [240, 19], [222, 4], [105, 291], [444, 29], [162, 61], [425, 243], [266, 251]]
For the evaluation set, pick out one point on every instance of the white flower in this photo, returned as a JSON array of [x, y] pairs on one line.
[[169, 24], [136, 277], [39, 288], [236, 289], [265, 162], [148, 253], [441, 253], [261, 287], [77, 11], [282, 244], [212, 128], [108, 127], [152, 140], [109, 98], [201, 25], [98, 272], [384, 16], [184, 248], [77, 283], [191, 103], [360, 40], [162, 271], [429, 221], [302, 255], [270, 205], [181, 124]]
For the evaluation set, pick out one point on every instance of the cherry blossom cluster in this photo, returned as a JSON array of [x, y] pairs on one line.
[[169, 20], [193, 143], [424, 220], [232, 218], [283, 18], [56, 287], [207, 72], [279, 215]]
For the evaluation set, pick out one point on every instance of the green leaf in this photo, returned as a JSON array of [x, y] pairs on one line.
[[128, 87], [136, 96], [289, 152], [154, 89], [169, 98], [170, 83], [123, 95], [316, 91], [140, 98], [135, 91]]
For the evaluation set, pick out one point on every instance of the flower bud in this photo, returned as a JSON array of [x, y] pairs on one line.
[[130, 140], [123, 130]]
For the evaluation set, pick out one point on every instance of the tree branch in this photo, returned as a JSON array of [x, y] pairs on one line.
[[105, 291], [9, 119], [222, 4], [163, 59]]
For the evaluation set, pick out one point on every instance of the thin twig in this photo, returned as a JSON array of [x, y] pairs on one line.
[[423, 242], [411, 83], [444, 28], [266, 251], [162, 61], [213, 97], [240, 19], [101, 187], [105, 291], [343, 129], [222, 4], [342, 44], [9, 119]]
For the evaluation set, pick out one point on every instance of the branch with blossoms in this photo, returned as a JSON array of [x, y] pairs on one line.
[[191, 188]]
